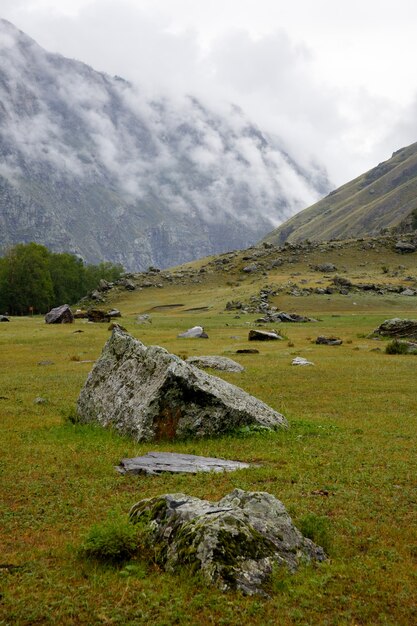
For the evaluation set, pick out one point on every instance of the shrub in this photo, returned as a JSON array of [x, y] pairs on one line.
[[114, 541], [316, 528], [396, 347]]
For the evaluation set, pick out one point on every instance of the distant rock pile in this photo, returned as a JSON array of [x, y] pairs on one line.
[[150, 394], [234, 543]]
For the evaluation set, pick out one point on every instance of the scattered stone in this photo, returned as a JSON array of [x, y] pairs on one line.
[[408, 292], [40, 400], [114, 313], [143, 319], [104, 285], [329, 341], [249, 269], [247, 351], [77, 331], [325, 267], [127, 284], [150, 394], [160, 462], [60, 315], [404, 247], [234, 542], [80, 314], [97, 296], [196, 332], [291, 317], [397, 327], [4, 318], [263, 335], [97, 316], [299, 360], [221, 363], [46, 363]]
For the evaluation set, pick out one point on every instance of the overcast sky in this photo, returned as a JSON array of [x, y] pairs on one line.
[[335, 79]]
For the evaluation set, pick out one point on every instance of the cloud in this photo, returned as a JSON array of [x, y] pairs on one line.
[[332, 87]]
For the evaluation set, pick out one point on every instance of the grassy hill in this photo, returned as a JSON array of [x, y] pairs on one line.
[[346, 466], [382, 198]]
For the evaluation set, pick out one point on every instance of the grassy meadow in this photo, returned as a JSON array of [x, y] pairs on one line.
[[347, 463]]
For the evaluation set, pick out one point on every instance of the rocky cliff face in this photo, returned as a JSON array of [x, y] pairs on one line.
[[89, 164]]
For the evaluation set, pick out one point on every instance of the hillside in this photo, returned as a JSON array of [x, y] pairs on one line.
[[90, 164], [382, 198], [345, 468]]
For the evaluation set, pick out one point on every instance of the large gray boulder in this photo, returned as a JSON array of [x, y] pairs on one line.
[[59, 315], [150, 394], [234, 542]]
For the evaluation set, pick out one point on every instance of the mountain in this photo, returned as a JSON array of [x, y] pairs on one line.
[[382, 198], [91, 165]]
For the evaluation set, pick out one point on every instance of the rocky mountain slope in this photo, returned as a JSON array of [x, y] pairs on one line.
[[91, 165], [382, 198]]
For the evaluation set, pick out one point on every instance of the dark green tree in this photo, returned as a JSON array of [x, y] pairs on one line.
[[68, 278], [25, 280], [33, 278]]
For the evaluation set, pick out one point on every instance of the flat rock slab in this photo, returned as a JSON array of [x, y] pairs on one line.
[[149, 394], [175, 463], [234, 543]]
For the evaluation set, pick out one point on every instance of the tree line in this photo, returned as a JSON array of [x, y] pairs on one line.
[[33, 279]]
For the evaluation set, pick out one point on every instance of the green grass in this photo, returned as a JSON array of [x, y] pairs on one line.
[[345, 470]]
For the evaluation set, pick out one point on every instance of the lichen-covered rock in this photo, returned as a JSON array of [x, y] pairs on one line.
[[220, 363], [150, 394], [397, 327], [234, 542], [59, 315]]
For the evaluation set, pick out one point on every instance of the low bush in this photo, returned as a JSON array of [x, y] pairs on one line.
[[316, 528], [396, 347], [114, 541]]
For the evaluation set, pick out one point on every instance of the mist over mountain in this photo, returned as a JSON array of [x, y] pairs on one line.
[[90, 164]]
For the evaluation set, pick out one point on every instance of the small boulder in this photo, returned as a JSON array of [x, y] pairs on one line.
[[150, 394], [196, 332], [299, 360], [263, 335], [397, 327], [220, 363], [404, 247], [234, 543], [144, 319], [98, 315], [4, 318], [325, 267], [329, 341], [59, 315]]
